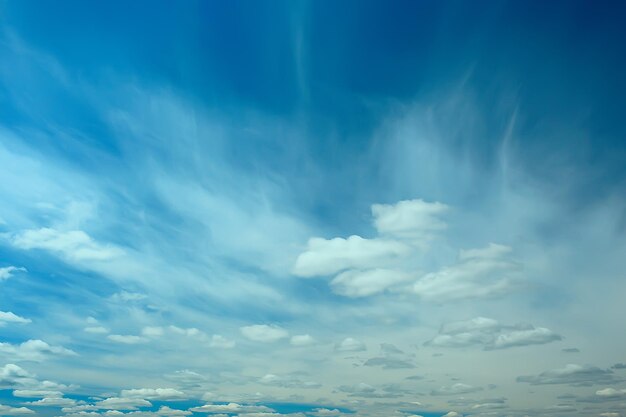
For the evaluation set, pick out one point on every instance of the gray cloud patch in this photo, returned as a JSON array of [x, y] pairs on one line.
[[572, 374]]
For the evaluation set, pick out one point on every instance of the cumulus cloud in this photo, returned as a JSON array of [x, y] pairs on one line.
[[288, 381], [350, 344], [264, 333], [231, 408], [358, 283], [160, 394], [490, 334], [6, 410], [611, 393], [484, 272], [117, 403], [455, 389], [572, 374], [29, 393], [52, 402], [8, 271], [327, 257], [74, 245], [302, 340], [33, 350], [9, 317]]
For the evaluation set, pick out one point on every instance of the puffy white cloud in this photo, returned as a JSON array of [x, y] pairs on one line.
[[572, 374], [33, 350], [409, 219], [53, 402], [326, 412], [455, 389], [264, 333], [8, 271], [219, 341], [537, 336], [161, 394], [327, 257], [127, 339], [171, 412], [350, 344], [490, 334], [611, 393], [74, 245], [289, 381], [479, 273], [117, 403], [302, 340], [6, 410], [9, 317], [357, 283], [231, 408], [452, 414], [28, 393]]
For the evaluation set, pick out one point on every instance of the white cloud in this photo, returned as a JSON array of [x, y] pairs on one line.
[[161, 394], [171, 412], [219, 341], [452, 414], [27, 393], [302, 340], [9, 317], [479, 273], [264, 333], [74, 245], [53, 402], [455, 389], [350, 345], [6, 410], [289, 381], [357, 283], [116, 403], [327, 257], [490, 334], [572, 374], [231, 408], [127, 339], [409, 219], [537, 336], [611, 393], [7, 272], [33, 350]]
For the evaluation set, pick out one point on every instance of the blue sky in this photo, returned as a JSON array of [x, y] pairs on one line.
[[308, 209]]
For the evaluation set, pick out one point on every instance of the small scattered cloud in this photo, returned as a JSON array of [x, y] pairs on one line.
[[231, 408], [288, 381], [8, 271], [6, 410], [33, 350], [572, 374], [490, 334], [264, 333], [9, 317], [160, 394], [455, 389], [96, 329], [350, 344]]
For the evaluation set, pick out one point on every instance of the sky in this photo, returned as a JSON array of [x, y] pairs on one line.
[[323, 208]]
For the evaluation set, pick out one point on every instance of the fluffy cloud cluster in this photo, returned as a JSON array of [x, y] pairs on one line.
[[362, 267], [490, 334], [264, 333], [32, 350]]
